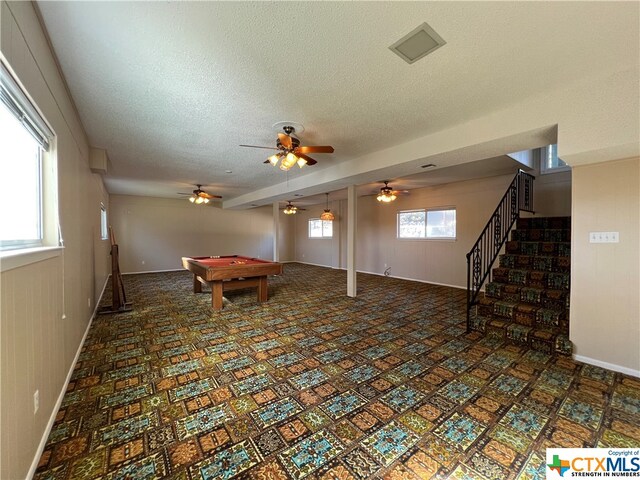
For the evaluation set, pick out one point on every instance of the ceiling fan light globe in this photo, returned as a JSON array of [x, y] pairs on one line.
[[273, 159], [288, 162], [206, 200], [192, 199], [301, 162]]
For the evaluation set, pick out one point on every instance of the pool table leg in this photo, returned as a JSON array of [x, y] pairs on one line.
[[197, 286], [216, 295], [262, 289]]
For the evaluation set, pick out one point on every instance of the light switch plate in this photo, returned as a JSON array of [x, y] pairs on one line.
[[604, 237]]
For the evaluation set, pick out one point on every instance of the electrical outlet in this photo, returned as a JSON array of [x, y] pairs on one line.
[[36, 401], [89, 302], [385, 265], [142, 262]]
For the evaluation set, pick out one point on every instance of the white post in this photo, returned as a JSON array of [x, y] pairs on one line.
[[276, 232], [352, 204]]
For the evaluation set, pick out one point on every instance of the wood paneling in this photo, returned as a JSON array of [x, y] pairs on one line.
[[38, 345]]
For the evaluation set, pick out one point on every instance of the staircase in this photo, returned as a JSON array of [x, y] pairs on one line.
[[527, 301]]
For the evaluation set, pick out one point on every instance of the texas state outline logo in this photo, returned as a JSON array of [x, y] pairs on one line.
[[560, 466]]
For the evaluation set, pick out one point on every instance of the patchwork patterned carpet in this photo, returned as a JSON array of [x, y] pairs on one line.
[[528, 300], [316, 385]]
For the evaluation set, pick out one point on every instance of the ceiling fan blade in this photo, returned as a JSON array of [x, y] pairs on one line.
[[208, 195], [256, 146], [285, 140], [316, 149], [310, 161]]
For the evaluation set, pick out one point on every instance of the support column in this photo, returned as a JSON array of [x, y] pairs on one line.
[[276, 232], [352, 207]]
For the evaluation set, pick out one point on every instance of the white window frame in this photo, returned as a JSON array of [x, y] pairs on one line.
[[426, 235], [324, 222], [104, 225], [24, 251], [544, 169]]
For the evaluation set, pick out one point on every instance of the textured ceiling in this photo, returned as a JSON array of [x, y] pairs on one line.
[[171, 89]]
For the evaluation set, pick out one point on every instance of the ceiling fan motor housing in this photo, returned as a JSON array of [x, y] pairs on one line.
[[295, 143], [289, 130]]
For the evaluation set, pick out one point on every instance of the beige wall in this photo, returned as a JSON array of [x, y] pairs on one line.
[[160, 231], [605, 278], [436, 261], [552, 194], [286, 238], [319, 251], [38, 344]]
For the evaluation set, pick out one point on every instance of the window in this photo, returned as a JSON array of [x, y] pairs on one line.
[[441, 224], [320, 228], [24, 138], [104, 230], [429, 224], [549, 161], [411, 224]]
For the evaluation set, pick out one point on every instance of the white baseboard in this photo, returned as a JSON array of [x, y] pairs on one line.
[[155, 271], [314, 264], [54, 413], [413, 280], [380, 274], [607, 365]]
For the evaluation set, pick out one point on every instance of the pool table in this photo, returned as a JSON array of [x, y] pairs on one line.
[[230, 272]]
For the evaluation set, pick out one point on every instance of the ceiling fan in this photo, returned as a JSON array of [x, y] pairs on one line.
[[199, 196], [291, 209], [387, 194], [290, 151]]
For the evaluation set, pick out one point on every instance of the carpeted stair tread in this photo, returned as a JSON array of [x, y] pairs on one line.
[[532, 278], [545, 340], [541, 235], [562, 249], [524, 313], [527, 301], [525, 223], [545, 263], [542, 297]]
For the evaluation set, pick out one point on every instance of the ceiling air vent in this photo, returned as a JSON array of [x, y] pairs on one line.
[[418, 43]]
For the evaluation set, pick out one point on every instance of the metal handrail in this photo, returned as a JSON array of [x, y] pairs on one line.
[[480, 259]]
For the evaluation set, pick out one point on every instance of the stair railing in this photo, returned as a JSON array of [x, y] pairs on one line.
[[480, 259]]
